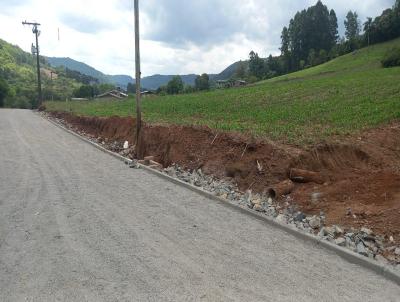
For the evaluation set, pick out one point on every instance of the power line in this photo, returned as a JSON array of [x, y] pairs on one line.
[[35, 50]]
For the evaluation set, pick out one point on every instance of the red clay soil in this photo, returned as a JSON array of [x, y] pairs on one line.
[[362, 174]]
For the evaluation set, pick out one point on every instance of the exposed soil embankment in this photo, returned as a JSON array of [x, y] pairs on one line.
[[360, 175]]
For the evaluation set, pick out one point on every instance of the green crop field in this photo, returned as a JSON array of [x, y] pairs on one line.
[[343, 96]]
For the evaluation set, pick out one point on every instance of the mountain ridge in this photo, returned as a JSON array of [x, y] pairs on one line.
[[152, 82]]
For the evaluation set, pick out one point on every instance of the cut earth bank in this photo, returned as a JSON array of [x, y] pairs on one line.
[[347, 188]]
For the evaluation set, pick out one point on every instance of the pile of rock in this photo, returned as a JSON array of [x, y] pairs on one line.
[[363, 242]]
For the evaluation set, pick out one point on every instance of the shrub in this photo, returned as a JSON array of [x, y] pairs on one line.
[[392, 58], [4, 90]]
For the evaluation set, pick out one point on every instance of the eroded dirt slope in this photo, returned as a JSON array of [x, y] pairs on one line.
[[361, 174]]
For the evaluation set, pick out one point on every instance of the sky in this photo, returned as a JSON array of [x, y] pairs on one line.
[[177, 36]]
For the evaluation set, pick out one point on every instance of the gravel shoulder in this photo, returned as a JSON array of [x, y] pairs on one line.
[[77, 225]]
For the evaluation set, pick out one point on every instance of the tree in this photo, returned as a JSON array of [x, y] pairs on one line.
[[322, 56], [175, 86], [333, 28], [285, 42], [314, 28], [367, 29], [202, 82], [131, 88], [85, 91], [352, 25], [188, 89], [105, 87], [241, 70], [256, 65], [4, 89], [312, 58], [273, 66]]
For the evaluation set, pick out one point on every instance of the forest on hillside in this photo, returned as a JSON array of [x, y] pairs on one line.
[[312, 38]]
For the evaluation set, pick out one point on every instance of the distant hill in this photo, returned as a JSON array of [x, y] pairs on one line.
[[229, 72], [77, 66], [157, 80], [120, 80], [151, 82]]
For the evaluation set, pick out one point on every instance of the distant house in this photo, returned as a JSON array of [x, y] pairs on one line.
[[113, 94], [223, 84], [239, 83], [147, 93], [230, 83], [79, 99]]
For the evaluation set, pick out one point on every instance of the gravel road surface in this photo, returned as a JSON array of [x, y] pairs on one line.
[[78, 225]]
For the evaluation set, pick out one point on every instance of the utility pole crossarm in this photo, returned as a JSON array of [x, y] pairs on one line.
[[30, 23]]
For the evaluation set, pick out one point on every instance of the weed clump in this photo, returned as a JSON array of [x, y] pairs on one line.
[[392, 58]]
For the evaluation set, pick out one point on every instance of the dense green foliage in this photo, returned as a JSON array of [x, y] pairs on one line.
[[84, 91], [312, 39], [18, 70], [91, 91], [202, 82], [175, 86], [384, 27], [3, 91], [392, 58], [353, 26], [314, 29], [131, 88], [342, 96]]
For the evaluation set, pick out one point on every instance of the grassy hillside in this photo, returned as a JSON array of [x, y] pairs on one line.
[[18, 69], [342, 96]]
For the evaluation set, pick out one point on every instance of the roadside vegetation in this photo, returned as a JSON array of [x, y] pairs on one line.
[[18, 80], [342, 96]]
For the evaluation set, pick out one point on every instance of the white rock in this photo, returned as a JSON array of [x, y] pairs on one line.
[[321, 233], [339, 230], [366, 231], [397, 251], [281, 218], [126, 145], [315, 222], [330, 231], [391, 239], [258, 208], [340, 241], [256, 201], [361, 249]]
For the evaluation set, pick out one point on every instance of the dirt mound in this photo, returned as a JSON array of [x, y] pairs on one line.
[[221, 154], [112, 128], [332, 157], [361, 174]]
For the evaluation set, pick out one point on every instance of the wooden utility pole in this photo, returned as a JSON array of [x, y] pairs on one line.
[[138, 75], [36, 31]]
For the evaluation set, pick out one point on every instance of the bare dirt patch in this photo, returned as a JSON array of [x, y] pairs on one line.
[[361, 174]]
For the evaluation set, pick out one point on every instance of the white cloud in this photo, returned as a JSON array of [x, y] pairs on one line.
[[178, 36]]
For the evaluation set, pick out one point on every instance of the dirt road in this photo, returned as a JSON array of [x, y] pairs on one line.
[[78, 225]]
